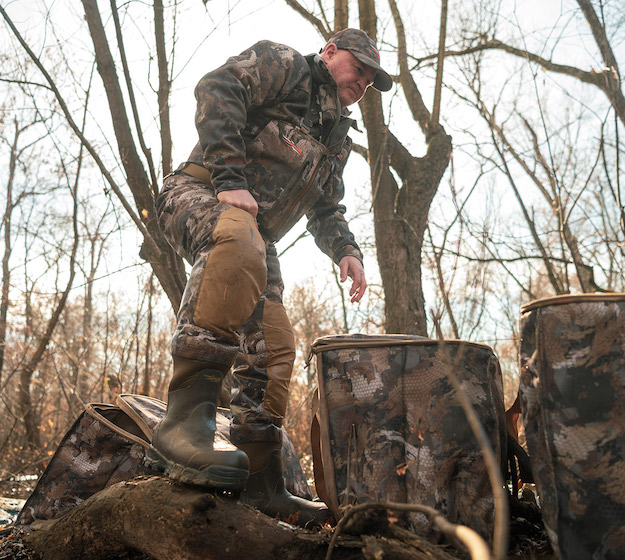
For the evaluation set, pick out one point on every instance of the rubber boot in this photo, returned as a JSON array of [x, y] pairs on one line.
[[182, 447], [265, 489]]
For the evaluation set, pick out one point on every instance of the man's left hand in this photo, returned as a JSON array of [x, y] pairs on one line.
[[352, 267]]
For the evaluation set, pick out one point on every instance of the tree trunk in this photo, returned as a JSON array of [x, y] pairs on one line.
[[612, 85], [341, 14], [27, 411], [400, 212], [6, 271], [164, 87]]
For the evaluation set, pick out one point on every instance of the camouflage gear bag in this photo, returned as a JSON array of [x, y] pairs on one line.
[[107, 444], [104, 446], [391, 428], [572, 387]]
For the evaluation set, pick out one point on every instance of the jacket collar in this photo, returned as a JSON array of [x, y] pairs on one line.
[[326, 91]]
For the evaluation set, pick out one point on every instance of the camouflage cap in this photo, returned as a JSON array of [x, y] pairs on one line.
[[363, 48]]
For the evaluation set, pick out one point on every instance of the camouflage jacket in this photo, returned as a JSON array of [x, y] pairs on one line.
[[269, 121]]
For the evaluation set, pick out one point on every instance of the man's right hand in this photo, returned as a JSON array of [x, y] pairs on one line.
[[241, 198]]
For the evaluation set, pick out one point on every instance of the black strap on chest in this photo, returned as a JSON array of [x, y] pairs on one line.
[[306, 121]]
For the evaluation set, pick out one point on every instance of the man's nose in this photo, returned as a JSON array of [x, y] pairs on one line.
[[363, 83]]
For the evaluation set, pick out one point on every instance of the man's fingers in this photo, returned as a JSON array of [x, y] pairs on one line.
[[356, 281], [343, 266], [240, 198], [352, 267], [358, 289]]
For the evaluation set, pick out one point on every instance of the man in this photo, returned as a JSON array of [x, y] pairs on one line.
[[273, 143]]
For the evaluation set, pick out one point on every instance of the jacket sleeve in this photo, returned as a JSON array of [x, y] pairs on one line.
[[326, 220], [261, 75]]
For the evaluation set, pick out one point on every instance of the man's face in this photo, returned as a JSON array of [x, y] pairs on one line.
[[352, 76]]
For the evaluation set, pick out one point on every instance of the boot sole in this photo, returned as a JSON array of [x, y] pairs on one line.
[[212, 476]]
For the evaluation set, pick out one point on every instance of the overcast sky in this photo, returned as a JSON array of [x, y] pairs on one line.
[[207, 35]]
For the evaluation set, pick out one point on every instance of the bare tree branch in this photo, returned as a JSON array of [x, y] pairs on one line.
[[164, 88], [497, 131], [413, 96], [598, 32], [439, 67], [165, 263], [131, 94], [558, 208], [6, 224], [25, 83], [325, 32], [442, 288], [606, 79], [75, 128], [28, 368]]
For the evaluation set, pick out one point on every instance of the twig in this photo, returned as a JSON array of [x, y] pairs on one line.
[[619, 200], [500, 531], [478, 549], [131, 94]]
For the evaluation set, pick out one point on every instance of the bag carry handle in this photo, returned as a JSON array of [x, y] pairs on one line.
[[516, 454], [97, 411], [138, 407]]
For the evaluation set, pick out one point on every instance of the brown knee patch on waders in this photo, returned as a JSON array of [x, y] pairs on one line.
[[235, 275], [280, 345]]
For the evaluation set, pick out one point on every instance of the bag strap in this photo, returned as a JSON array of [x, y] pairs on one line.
[[315, 444]]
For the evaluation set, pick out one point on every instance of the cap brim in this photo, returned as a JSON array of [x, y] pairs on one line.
[[382, 81]]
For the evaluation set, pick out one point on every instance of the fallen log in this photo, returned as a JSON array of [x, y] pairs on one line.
[[150, 517]]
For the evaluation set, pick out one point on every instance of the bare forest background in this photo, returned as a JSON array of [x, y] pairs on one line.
[[96, 106]]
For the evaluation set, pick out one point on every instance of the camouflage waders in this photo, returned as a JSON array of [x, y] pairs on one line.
[[233, 295], [572, 387], [393, 430], [231, 311]]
